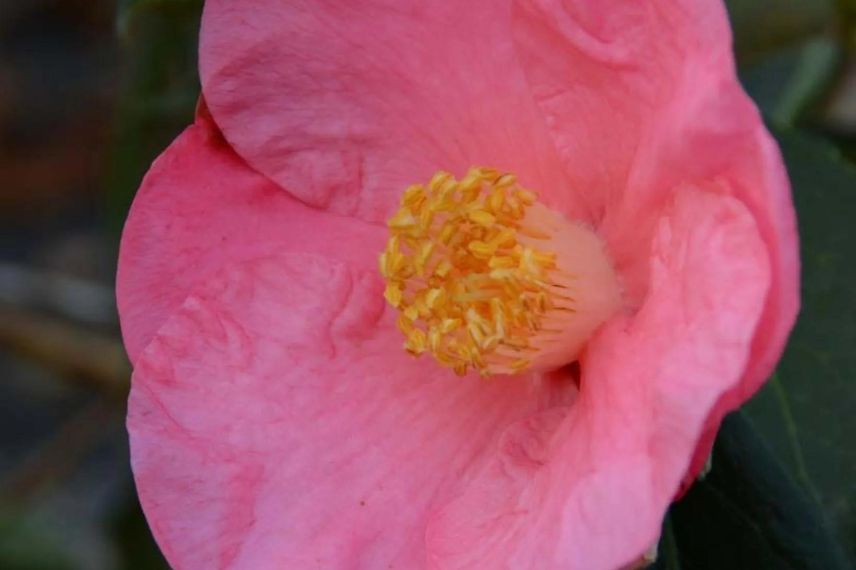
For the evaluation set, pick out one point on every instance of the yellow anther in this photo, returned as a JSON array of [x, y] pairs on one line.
[[496, 200], [435, 298], [473, 316], [404, 324], [439, 179], [527, 261], [489, 344], [482, 218], [501, 262], [422, 257], [466, 289], [470, 182], [402, 219], [414, 196], [546, 260], [447, 233], [417, 342], [470, 193], [393, 294], [435, 339], [533, 233], [475, 333], [383, 264], [527, 197], [426, 216], [411, 312], [505, 181], [481, 249], [443, 268], [504, 238], [448, 325]]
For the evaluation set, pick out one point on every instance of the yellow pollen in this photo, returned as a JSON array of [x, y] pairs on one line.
[[464, 268]]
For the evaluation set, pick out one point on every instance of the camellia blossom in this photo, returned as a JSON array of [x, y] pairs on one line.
[[573, 205]]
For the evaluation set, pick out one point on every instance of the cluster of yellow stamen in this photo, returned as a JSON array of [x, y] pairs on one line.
[[461, 268]]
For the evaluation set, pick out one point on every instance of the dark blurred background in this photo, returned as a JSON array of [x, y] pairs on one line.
[[92, 90]]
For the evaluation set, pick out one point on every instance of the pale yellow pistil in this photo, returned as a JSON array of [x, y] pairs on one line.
[[486, 277]]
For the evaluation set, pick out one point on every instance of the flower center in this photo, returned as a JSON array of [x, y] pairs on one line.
[[486, 277]]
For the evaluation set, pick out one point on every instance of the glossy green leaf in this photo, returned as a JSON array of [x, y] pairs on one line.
[[747, 513], [806, 410]]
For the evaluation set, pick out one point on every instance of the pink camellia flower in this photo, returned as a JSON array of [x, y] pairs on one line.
[[545, 183]]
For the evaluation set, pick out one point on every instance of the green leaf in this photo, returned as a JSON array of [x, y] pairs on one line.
[[762, 26], [161, 87], [747, 513], [24, 545], [806, 409], [134, 543], [787, 83], [789, 54], [129, 10]]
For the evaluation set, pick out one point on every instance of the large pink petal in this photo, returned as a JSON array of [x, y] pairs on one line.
[[346, 103], [588, 491], [200, 208], [649, 89], [276, 423]]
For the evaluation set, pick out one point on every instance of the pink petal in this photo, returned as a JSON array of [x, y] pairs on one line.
[[344, 104], [589, 490], [649, 90], [604, 75], [200, 208], [275, 423], [776, 221]]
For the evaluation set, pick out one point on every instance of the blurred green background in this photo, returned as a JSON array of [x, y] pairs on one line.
[[92, 90]]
